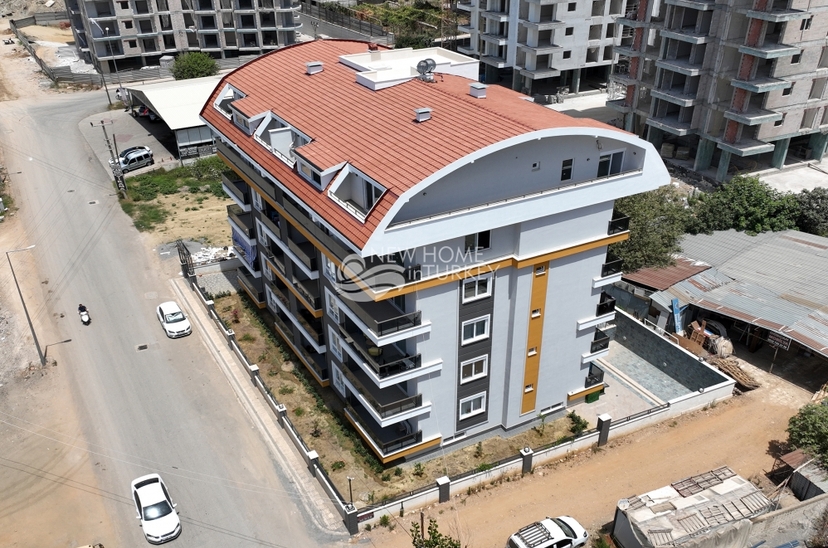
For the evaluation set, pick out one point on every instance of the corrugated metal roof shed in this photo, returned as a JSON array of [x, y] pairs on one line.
[[662, 278], [774, 280]]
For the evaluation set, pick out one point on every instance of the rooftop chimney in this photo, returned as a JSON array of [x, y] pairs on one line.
[[372, 46], [478, 90], [423, 114], [313, 67]]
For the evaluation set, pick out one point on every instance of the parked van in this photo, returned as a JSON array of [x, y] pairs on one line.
[[134, 158]]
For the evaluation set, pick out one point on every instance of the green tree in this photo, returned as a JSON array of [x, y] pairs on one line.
[[808, 430], [193, 64], [813, 211], [435, 538], [415, 41], [745, 204], [657, 222]]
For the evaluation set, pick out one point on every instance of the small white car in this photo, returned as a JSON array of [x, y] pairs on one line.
[[560, 532], [155, 508], [173, 320]]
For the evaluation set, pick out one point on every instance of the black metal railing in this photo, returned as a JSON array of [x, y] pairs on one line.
[[302, 253], [312, 300], [406, 321], [281, 294], [281, 325], [237, 187], [612, 266], [252, 290], [599, 342], [312, 328], [605, 305], [618, 224], [383, 368]]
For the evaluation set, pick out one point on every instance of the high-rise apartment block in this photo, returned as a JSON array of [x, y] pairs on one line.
[[542, 44], [129, 34], [741, 83], [433, 249]]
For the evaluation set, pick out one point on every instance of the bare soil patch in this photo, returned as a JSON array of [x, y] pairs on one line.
[[189, 219]]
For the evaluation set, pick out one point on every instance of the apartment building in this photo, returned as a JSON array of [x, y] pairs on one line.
[[741, 83], [129, 34], [432, 248], [542, 45]]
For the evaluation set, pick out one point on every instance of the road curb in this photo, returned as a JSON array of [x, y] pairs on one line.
[[313, 499]]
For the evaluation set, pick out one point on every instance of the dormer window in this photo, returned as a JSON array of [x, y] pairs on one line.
[[227, 96], [241, 121], [356, 192], [310, 174], [279, 137]]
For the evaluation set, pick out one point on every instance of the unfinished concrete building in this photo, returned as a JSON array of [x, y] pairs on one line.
[[128, 34], [739, 83], [539, 46]]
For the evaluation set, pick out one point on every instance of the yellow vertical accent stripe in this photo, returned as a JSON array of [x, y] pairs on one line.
[[533, 338]]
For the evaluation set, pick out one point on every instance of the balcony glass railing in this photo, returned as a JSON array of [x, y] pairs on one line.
[[284, 327], [605, 305], [395, 443], [595, 376], [612, 266], [618, 224], [250, 284], [242, 219], [309, 291], [312, 327], [305, 252], [384, 410], [281, 293], [385, 361], [600, 342]]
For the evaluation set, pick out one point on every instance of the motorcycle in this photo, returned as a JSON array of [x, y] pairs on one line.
[[84, 316]]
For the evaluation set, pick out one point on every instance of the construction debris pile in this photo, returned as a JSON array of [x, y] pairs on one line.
[[207, 255]]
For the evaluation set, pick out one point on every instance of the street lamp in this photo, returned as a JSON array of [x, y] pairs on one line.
[[105, 32], [25, 310]]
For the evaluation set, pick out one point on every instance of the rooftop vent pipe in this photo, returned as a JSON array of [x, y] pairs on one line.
[[422, 114], [478, 90], [313, 67]]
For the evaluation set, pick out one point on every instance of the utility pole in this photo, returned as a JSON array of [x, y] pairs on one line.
[[23, 301], [116, 166]]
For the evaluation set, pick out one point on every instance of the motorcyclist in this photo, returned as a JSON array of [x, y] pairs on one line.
[[81, 309]]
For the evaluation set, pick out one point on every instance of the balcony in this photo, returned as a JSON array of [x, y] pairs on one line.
[[676, 96], [386, 403], [385, 361], [237, 190], [300, 218], [612, 266], [618, 225], [753, 116], [308, 291], [381, 317], [687, 34], [770, 50], [311, 326], [384, 441], [595, 376], [699, 5], [682, 66], [279, 290], [242, 221], [606, 305], [304, 251], [671, 124], [600, 342], [777, 15], [619, 105], [761, 84], [545, 23], [252, 286]]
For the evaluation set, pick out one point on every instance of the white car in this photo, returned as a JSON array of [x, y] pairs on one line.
[[155, 508], [560, 532], [173, 320]]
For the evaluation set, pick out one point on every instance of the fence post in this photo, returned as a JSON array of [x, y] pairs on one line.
[[444, 486], [351, 521], [253, 369], [313, 462], [281, 412], [527, 455], [604, 422]]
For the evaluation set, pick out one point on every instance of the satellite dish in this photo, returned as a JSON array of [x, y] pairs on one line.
[[422, 67], [431, 65]]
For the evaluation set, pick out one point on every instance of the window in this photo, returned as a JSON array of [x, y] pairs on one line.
[[778, 123], [529, 388], [132, 43], [477, 288], [610, 164], [473, 405], [571, 6], [566, 170], [540, 270], [795, 59], [474, 369], [333, 309], [569, 30], [124, 5], [309, 173], [479, 241], [475, 330], [532, 351], [536, 313], [336, 346], [567, 54], [805, 24], [127, 24], [330, 270], [372, 195], [788, 91]]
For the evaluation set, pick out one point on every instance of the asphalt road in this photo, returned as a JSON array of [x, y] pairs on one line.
[[167, 408]]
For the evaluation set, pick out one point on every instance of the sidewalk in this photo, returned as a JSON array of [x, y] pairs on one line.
[[315, 502]]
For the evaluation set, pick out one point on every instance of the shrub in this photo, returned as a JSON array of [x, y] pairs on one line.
[[579, 424], [385, 521], [398, 471], [808, 430], [247, 337], [298, 411], [386, 477], [419, 469], [338, 465]]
